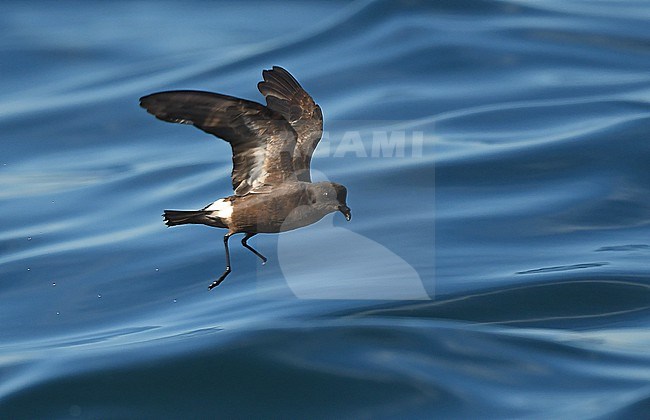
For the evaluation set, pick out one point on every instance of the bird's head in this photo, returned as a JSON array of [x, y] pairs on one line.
[[329, 197]]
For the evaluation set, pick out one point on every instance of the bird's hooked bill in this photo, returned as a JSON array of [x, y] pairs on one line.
[[346, 212]]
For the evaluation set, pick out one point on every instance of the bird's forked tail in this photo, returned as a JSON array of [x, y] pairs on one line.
[[197, 217]]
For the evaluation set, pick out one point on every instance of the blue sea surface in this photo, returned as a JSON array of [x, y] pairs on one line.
[[497, 264]]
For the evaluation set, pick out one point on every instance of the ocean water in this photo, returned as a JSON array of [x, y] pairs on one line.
[[497, 264]]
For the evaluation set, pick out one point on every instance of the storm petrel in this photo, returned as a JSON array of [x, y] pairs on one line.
[[272, 147]]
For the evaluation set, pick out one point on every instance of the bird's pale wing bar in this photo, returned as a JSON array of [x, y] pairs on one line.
[[262, 140]]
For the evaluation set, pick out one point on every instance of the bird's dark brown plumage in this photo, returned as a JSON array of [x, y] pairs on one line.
[[262, 140], [284, 94], [272, 147]]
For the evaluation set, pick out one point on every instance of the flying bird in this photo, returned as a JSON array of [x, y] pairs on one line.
[[271, 146]]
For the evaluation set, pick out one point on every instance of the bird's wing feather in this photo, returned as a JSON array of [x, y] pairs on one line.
[[285, 95], [262, 140]]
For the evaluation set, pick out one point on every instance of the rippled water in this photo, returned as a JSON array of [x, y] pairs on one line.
[[495, 266]]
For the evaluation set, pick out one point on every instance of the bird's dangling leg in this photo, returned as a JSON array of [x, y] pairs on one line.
[[228, 270], [250, 248]]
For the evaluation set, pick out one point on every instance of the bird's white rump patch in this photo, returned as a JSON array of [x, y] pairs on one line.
[[222, 207]]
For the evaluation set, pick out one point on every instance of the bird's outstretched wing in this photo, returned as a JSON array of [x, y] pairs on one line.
[[262, 140], [285, 95]]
